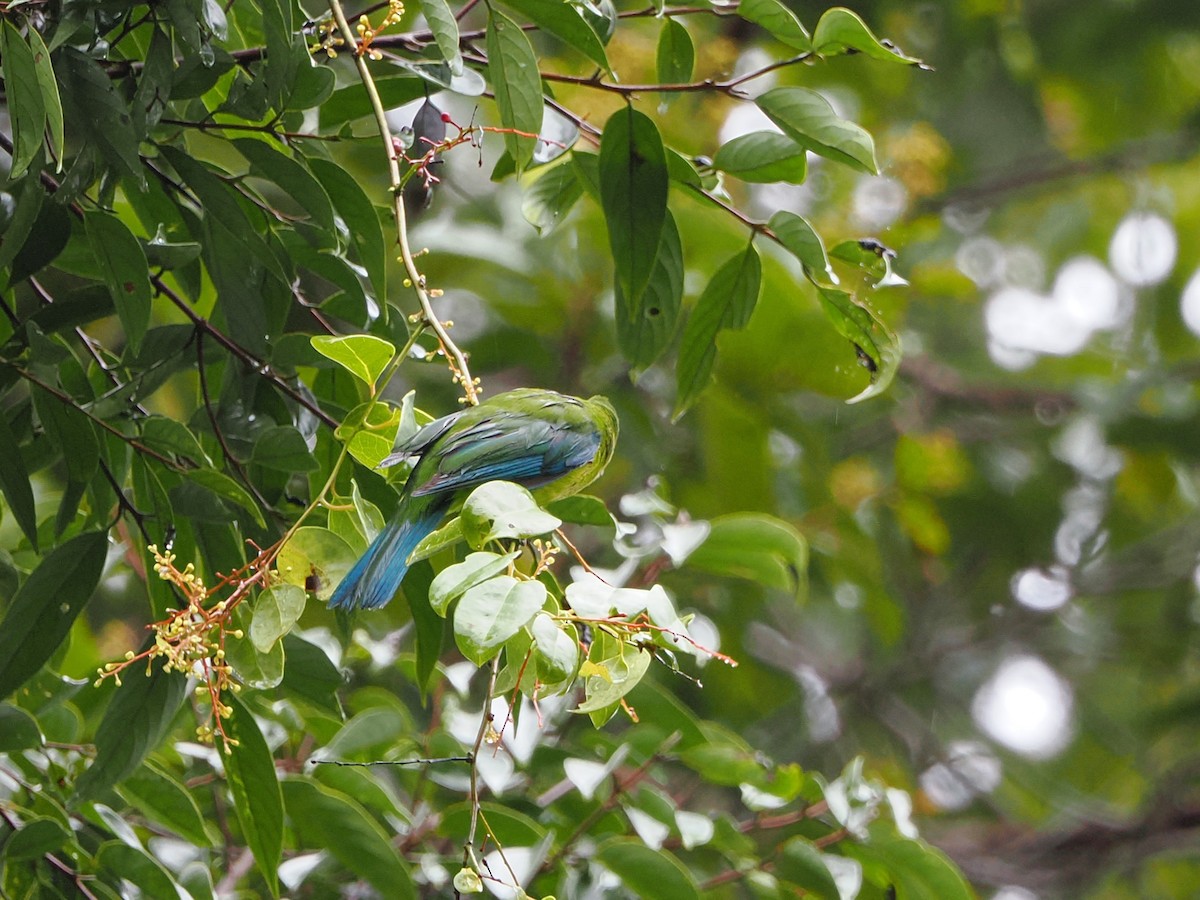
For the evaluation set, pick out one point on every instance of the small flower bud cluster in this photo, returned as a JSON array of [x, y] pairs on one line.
[[368, 32]]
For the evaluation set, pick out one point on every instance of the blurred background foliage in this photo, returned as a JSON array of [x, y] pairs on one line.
[[1002, 606]]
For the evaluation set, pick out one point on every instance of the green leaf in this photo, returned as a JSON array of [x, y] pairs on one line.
[[137, 719], [162, 799], [283, 448], [123, 265], [801, 864], [51, 100], [37, 837], [808, 118], [445, 537], [802, 241], [223, 210], [30, 195], [14, 482], [916, 870], [841, 31], [46, 239], [277, 609], [453, 581], [646, 325], [445, 32], [563, 20], [501, 509], [226, 488], [26, 108], [780, 21], [370, 732], [513, 73], [582, 509], [291, 177], [261, 671], [93, 106], [250, 772], [281, 65], [42, 612], [334, 821], [311, 674], [557, 648], [549, 198], [168, 436], [490, 613], [647, 872], [877, 347], [633, 194], [727, 302], [362, 355], [315, 556], [676, 56], [429, 626], [119, 860], [754, 546], [370, 432], [352, 102], [763, 157], [620, 674], [360, 216], [18, 729]]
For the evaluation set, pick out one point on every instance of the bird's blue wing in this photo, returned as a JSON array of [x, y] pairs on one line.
[[417, 443], [508, 447]]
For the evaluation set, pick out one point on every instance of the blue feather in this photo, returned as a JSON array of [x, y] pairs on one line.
[[376, 576]]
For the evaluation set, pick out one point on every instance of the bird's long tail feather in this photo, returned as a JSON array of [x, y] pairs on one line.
[[376, 576]]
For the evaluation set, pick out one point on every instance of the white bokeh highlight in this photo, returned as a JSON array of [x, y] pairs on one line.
[[1027, 707], [1143, 248]]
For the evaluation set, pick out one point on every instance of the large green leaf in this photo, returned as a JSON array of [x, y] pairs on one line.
[[362, 355], [550, 197], [778, 19], [163, 799], [137, 719], [877, 348], [800, 864], [501, 509], [727, 302], [841, 31], [94, 108], [226, 488], [633, 194], [294, 180], [311, 674], [250, 771], [445, 32], [513, 73], [453, 581], [754, 546], [51, 100], [14, 482], [331, 820], [915, 869], [361, 218], [763, 156], [26, 107], [675, 54], [646, 325], [489, 613], [647, 872], [122, 861], [276, 610], [122, 263], [45, 607], [803, 242], [808, 118], [564, 21]]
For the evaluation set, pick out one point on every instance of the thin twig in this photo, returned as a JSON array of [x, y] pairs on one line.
[[458, 361]]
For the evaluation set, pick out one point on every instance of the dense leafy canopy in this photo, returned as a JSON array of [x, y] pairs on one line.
[[958, 586]]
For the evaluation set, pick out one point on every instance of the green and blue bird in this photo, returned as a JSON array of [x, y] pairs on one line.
[[551, 443]]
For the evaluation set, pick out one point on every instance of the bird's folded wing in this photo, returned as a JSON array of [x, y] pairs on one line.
[[511, 447]]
